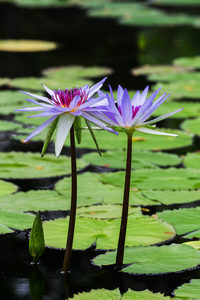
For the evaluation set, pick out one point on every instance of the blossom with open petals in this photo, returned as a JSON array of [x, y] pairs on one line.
[[131, 114], [66, 105]]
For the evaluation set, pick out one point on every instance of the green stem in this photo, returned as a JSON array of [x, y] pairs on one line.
[[68, 251], [122, 234]]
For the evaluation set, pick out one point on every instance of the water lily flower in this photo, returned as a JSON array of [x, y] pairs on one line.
[[66, 105], [129, 115]]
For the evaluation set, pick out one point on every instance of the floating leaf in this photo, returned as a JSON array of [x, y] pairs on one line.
[[92, 191], [159, 70], [116, 295], [188, 62], [6, 188], [192, 126], [9, 126], [105, 211], [26, 45], [191, 160], [141, 230], [144, 260], [189, 290], [35, 201], [16, 220], [60, 78], [166, 179], [184, 220], [194, 244], [173, 197], [31, 165], [140, 159], [10, 100]]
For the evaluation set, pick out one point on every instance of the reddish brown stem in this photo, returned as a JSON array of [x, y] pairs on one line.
[[68, 251], [124, 219]]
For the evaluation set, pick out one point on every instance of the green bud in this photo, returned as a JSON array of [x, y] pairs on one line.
[[50, 132], [36, 242]]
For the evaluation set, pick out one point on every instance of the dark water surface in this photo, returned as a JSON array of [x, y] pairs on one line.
[[88, 42]]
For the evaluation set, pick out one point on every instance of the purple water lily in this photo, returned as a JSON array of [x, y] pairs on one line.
[[131, 114], [66, 105]]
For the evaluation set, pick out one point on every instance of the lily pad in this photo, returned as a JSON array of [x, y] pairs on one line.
[[10, 100], [159, 179], [60, 78], [188, 62], [191, 160], [39, 200], [177, 2], [26, 45], [92, 191], [189, 290], [141, 230], [116, 295], [107, 140], [181, 89], [15, 220], [140, 159], [7, 188], [9, 126], [138, 14], [144, 260], [184, 220], [106, 211], [172, 197], [159, 70], [192, 126], [31, 165]]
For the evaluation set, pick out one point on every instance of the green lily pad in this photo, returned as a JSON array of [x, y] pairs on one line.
[[92, 191], [10, 100], [181, 89], [144, 260], [141, 230], [177, 2], [191, 160], [39, 200], [31, 165], [26, 45], [15, 220], [139, 14], [159, 70], [140, 159], [194, 244], [168, 197], [195, 234], [192, 126], [4, 229], [172, 77], [188, 62], [189, 290], [184, 220], [7, 188], [106, 211], [107, 140], [60, 78], [116, 295], [9, 126], [166, 179]]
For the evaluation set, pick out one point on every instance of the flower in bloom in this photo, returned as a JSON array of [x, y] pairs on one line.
[[66, 105], [131, 114]]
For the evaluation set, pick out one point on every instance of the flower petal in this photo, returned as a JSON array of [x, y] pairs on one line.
[[126, 107], [45, 99], [162, 117], [50, 92], [40, 128], [96, 87], [65, 122], [151, 131]]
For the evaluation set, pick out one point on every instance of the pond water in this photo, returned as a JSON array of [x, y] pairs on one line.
[[82, 41]]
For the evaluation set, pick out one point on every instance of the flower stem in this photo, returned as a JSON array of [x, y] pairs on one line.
[[122, 234], [68, 251]]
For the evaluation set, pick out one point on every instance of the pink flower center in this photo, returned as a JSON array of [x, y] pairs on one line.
[[64, 98], [134, 110]]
